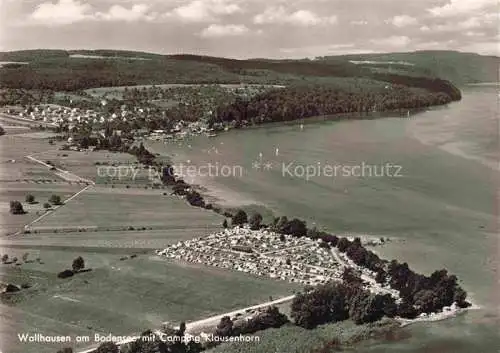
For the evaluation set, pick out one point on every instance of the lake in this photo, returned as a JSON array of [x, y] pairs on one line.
[[440, 210]]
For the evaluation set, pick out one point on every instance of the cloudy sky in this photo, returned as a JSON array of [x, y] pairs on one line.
[[251, 28]]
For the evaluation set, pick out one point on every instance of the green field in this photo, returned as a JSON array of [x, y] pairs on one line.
[[17, 191], [13, 162], [86, 164], [119, 297], [120, 207]]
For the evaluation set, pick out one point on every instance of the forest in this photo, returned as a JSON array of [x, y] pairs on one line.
[[297, 102]]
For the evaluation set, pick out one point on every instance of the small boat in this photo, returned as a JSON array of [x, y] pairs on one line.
[[211, 135]]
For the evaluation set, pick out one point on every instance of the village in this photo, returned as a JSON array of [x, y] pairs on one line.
[[152, 113]]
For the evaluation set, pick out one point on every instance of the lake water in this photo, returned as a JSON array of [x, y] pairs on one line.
[[441, 213]]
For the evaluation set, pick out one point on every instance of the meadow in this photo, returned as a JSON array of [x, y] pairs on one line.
[[87, 164], [17, 191], [106, 207], [13, 163], [121, 295]]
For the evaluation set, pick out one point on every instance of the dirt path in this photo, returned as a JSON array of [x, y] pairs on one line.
[[63, 174], [67, 176]]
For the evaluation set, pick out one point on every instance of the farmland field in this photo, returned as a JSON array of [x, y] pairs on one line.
[[13, 162], [86, 164], [151, 290], [17, 191], [120, 207]]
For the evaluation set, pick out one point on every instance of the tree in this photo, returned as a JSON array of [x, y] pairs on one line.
[[108, 347], [55, 200], [30, 198], [25, 257], [240, 218], [325, 303], [46, 205], [224, 224], [78, 264], [351, 276], [16, 208], [225, 327], [296, 227], [255, 221], [143, 345], [5, 258]]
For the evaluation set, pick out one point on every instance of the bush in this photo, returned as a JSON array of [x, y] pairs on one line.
[[30, 198], [46, 205], [108, 347], [55, 200], [65, 274]]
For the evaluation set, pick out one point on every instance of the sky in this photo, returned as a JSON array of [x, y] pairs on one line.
[[252, 28]]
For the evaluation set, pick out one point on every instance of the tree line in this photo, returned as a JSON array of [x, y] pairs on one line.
[[298, 102]]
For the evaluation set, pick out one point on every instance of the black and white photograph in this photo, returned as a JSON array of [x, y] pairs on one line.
[[249, 176]]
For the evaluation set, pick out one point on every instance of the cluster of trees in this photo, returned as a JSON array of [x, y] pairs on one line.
[[143, 155], [294, 227], [337, 301], [271, 317], [297, 102], [77, 266], [16, 207], [240, 218], [25, 97]]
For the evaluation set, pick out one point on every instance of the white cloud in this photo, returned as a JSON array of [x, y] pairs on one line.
[[460, 7], [453, 26], [120, 13], [216, 30], [470, 23], [402, 21], [393, 41], [61, 13], [305, 18], [204, 10]]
